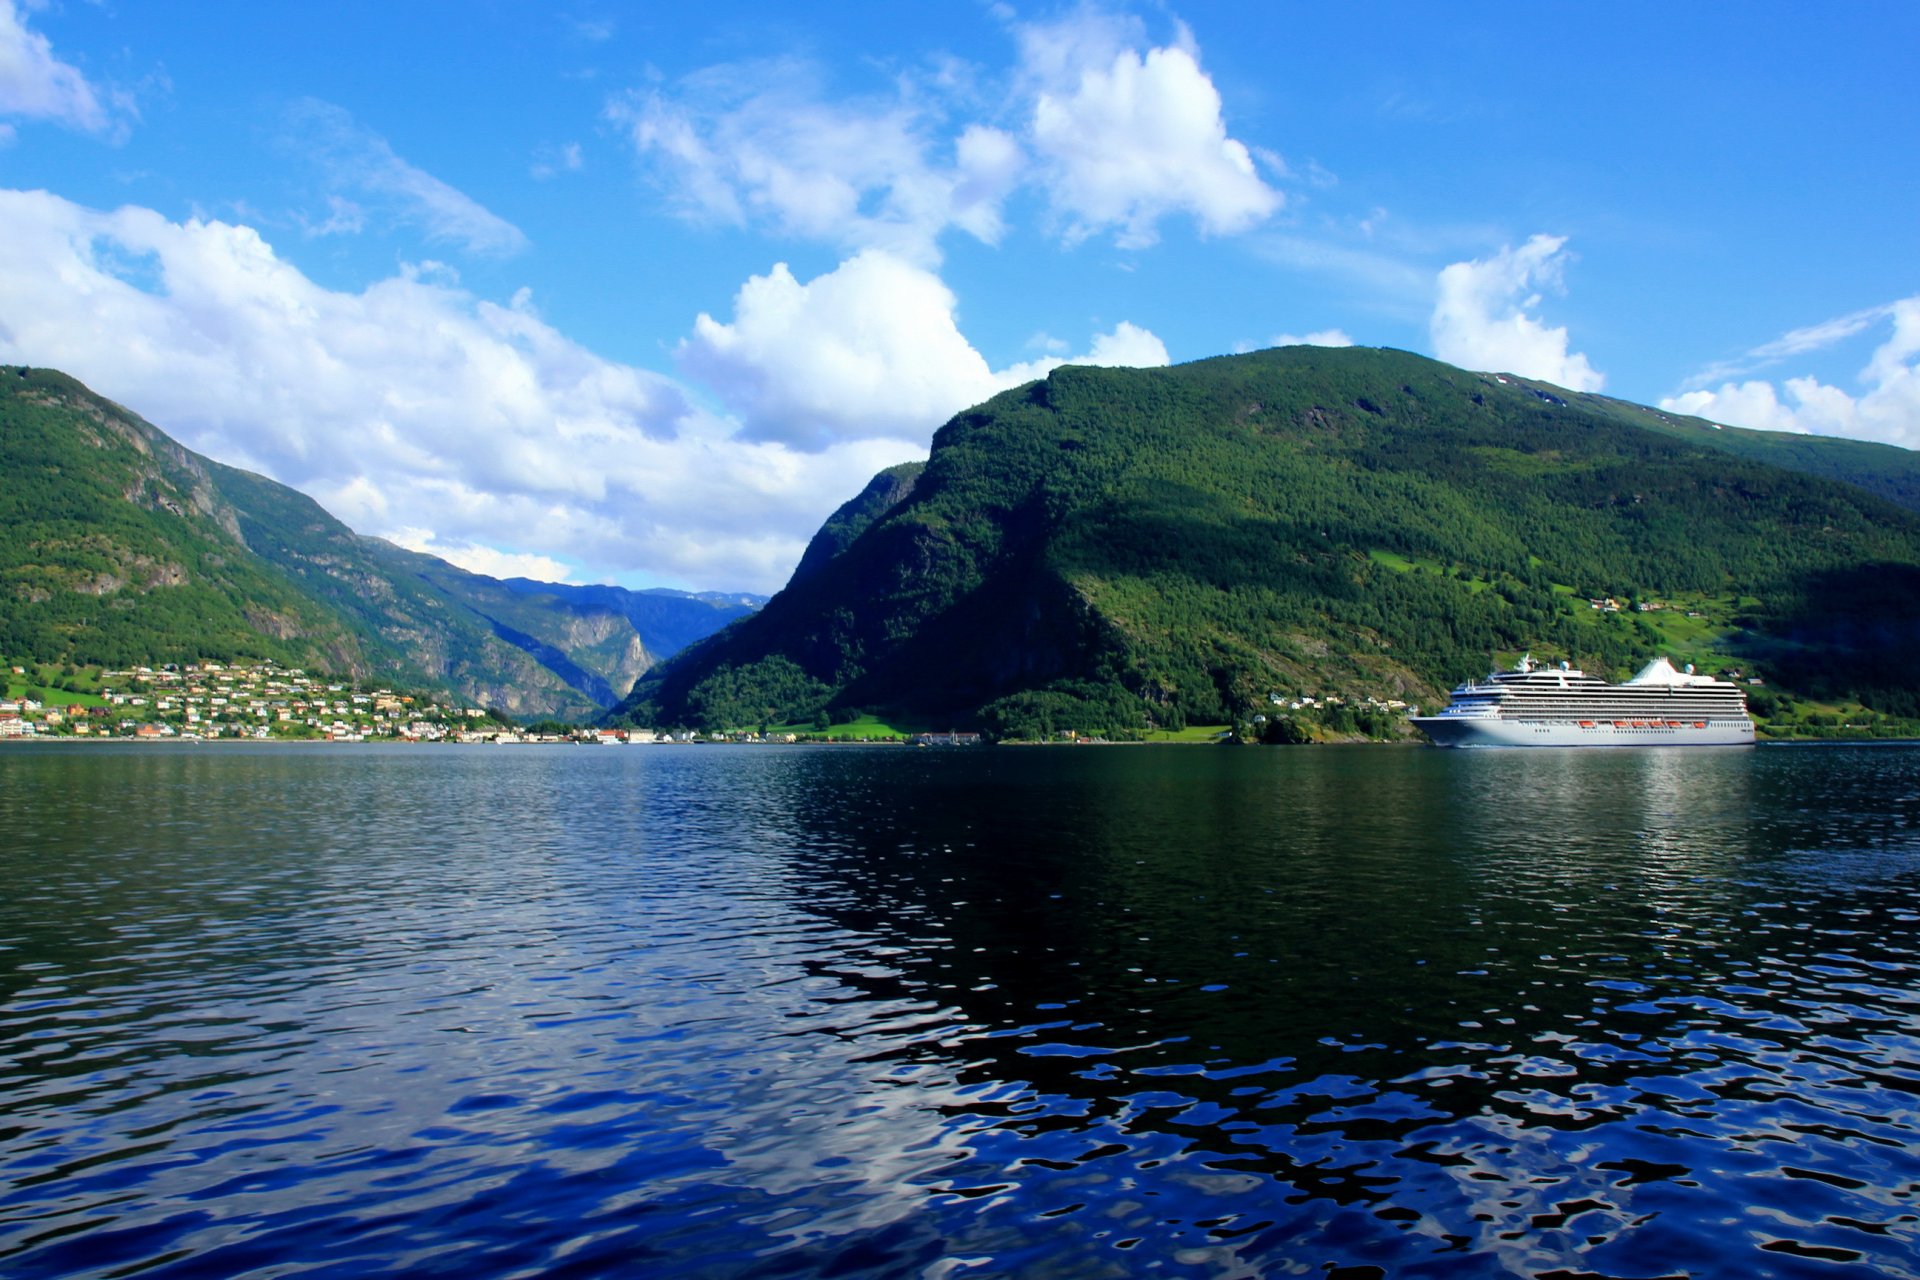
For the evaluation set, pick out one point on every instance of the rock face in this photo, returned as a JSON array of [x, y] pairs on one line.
[[120, 545], [1118, 549]]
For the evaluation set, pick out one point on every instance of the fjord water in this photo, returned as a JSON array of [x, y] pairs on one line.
[[879, 1012]]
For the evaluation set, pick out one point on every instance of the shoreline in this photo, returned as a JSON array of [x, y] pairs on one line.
[[50, 740]]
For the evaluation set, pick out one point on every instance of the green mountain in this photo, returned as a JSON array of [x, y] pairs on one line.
[[883, 493], [121, 546], [1123, 549]]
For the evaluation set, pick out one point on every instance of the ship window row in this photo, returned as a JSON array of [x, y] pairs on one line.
[[1677, 700], [1623, 713], [1625, 702], [1627, 697]]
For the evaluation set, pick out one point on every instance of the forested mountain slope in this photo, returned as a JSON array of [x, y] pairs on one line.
[[1114, 549], [120, 546]]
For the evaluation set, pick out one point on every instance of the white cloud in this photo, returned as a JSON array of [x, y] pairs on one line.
[[1318, 338], [758, 142], [35, 84], [411, 405], [490, 561], [1744, 404], [869, 350], [1813, 337], [550, 161], [344, 218], [1888, 410], [354, 158], [988, 164], [1127, 138], [1817, 337], [1481, 316], [1127, 347], [1117, 137]]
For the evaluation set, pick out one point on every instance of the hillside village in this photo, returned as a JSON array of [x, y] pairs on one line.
[[268, 703], [210, 700], [207, 701]]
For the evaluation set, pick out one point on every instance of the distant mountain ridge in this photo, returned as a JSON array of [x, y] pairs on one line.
[[1125, 549], [1886, 470], [119, 545]]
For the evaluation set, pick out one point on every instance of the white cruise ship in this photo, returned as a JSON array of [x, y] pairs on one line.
[[1536, 706]]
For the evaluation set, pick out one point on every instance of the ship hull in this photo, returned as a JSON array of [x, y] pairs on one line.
[[1488, 731]]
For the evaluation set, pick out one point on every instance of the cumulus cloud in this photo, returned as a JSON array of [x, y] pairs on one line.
[[34, 84], [1482, 316], [1318, 338], [1126, 138], [1116, 135], [871, 349], [411, 408], [760, 143], [353, 158], [1127, 347], [1887, 410]]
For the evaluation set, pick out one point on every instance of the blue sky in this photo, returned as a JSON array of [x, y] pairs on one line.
[[640, 293]]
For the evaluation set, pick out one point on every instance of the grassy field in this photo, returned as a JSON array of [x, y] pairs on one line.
[[1422, 564], [1192, 733], [20, 687], [865, 729], [1684, 629], [1692, 629], [1806, 720]]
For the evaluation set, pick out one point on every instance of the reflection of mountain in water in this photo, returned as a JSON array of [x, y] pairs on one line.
[[1380, 980], [741, 1011], [1329, 894]]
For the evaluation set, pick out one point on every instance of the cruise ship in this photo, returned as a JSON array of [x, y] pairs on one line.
[[1537, 706]]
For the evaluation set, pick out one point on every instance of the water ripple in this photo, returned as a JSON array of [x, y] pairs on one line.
[[315, 1012]]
